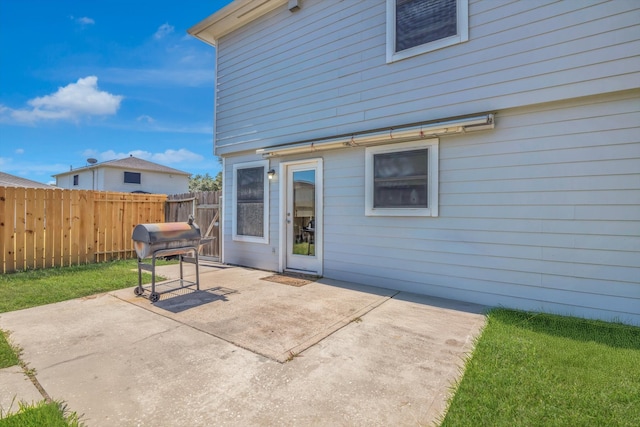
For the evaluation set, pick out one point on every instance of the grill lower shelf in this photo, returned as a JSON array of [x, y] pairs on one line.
[[183, 253]]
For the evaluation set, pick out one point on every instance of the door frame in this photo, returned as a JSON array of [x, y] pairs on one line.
[[319, 219]]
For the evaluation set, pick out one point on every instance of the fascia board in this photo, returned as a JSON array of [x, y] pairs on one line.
[[232, 17]]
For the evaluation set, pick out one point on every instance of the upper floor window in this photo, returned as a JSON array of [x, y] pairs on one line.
[[419, 26], [76, 179], [132, 178]]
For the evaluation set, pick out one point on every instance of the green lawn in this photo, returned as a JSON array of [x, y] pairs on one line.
[[537, 369], [42, 414], [304, 248], [37, 287]]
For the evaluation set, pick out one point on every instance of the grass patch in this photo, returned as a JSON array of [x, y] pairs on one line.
[[8, 355], [304, 248], [540, 369], [38, 287], [50, 414]]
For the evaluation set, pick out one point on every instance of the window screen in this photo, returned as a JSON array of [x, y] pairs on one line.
[[423, 21], [250, 201], [400, 179]]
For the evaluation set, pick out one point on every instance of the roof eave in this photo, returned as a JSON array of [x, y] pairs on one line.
[[123, 167], [232, 17]]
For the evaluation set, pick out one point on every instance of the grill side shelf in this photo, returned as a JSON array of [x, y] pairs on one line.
[[146, 267]]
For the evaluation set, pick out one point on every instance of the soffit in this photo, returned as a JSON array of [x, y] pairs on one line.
[[232, 17]]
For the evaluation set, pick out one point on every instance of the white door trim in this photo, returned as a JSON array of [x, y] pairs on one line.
[[282, 217]]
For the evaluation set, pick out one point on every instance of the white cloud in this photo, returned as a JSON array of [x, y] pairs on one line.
[[163, 31], [169, 156], [82, 21], [68, 103], [85, 21], [145, 118], [19, 151], [177, 156]]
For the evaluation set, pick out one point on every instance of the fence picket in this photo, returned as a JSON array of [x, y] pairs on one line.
[[29, 228], [20, 228], [82, 232], [55, 228], [49, 195], [88, 211], [39, 215]]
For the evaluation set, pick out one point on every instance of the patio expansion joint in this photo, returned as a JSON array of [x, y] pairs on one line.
[[335, 327], [295, 350]]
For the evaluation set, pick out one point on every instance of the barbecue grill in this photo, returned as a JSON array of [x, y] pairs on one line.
[[162, 240]]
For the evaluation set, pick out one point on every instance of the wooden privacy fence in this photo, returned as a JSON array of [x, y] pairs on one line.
[[42, 228], [205, 208]]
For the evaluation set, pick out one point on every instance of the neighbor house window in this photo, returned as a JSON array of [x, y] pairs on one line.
[[402, 179], [250, 202], [76, 179], [132, 177], [419, 26]]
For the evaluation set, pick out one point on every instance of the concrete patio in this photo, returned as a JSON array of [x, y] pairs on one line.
[[245, 351]]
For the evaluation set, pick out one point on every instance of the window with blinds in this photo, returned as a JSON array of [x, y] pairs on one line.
[[250, 202], [402, 179], [419, 26]]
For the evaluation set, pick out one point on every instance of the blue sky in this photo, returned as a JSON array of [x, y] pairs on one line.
[[104, 79]]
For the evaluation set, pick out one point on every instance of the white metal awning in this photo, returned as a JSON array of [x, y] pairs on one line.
[[387, 136]]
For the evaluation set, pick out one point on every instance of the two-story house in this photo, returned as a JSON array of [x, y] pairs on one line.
[[486, 151], [128, 175]]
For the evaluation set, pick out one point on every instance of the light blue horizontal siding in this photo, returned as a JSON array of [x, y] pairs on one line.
[[321, 71], [561, 234], [541, 213]]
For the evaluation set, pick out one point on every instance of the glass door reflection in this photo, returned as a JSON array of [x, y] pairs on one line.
[[304, 212]]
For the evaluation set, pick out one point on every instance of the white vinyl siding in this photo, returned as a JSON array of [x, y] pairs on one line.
[[322, 71], [112, 179]]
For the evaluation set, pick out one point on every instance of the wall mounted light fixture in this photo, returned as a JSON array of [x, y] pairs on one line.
[[271, 173]]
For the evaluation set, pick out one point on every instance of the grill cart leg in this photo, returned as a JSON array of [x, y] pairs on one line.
[[139, 290], [154, 296], [197, 270]]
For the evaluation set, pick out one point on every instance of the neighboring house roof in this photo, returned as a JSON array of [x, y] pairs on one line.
[[129, 163], [8, 180]]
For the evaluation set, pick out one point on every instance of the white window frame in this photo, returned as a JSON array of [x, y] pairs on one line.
[[431, 210], [462, 9], [234, 203]]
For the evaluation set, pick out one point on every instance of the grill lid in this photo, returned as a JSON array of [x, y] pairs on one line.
[[166, 232]]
